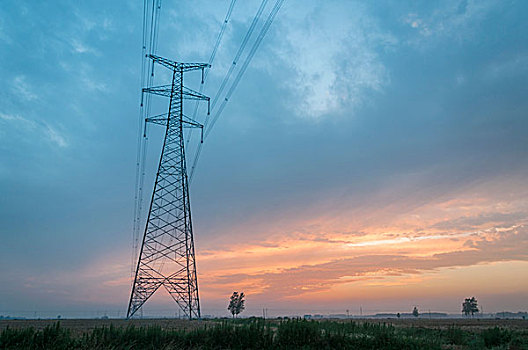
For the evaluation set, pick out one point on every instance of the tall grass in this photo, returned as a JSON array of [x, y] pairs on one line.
[[259, 334]]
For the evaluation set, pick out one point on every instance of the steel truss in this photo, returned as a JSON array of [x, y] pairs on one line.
[[167, 252]]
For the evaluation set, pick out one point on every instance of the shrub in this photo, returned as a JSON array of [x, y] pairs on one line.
[[495, 336], [456, 336]]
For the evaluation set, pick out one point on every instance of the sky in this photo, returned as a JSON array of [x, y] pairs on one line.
[[373, 156]]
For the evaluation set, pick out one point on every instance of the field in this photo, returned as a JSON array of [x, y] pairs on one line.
[[256, 333]]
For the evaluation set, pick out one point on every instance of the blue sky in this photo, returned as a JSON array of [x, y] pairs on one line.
[[354, 119]]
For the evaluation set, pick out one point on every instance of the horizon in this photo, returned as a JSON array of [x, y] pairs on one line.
[[279, 313], [374, 156]]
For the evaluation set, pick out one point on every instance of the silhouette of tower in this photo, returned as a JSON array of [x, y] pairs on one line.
[[167, 255]]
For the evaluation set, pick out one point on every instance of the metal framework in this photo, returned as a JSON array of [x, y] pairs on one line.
[[167, 252]]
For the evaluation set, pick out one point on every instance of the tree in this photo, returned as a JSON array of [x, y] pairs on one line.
[[415, 312], [470, 306], [236, 303], [398, 315]]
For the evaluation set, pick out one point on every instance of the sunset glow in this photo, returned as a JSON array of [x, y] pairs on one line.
[[373, 158]]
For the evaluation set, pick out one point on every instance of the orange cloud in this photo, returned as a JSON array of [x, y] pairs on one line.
[[304, 258], [495, 245]]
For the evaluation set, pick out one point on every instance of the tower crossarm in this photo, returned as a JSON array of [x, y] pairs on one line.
[[162, 90], [173, 65], [186, 122], [190, 94], [192, 124], [157, 120], [160, 119], [166, 90]]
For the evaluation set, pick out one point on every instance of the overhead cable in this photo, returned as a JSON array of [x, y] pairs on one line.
[[242, 70], [239, 53], [212, 57], [150, 18], [248, 59]]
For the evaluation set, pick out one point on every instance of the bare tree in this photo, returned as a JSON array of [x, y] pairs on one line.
[[236, 303], [470, 306]]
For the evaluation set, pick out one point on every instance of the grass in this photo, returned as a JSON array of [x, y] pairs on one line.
[[259, 334]]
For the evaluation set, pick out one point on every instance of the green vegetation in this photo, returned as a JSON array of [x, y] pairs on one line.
[[259, 334], [236, 303], [470, 306]]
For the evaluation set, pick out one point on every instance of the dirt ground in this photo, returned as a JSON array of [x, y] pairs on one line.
[[83, 325]]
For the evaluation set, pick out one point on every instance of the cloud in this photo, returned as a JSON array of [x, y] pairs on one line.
[[101, 281], [514, 66], [55, 137], [9, 117], [23, 89], [29, 126], [90, 79], [300, 210], [417, 23], [92, 84], [80, 47], [402, 240], [3, 35], [452, 19], [331, 52], [476, 221], [18, 120], [305, 253], [495, 245]]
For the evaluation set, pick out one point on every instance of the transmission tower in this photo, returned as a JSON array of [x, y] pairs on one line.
[[167, 255]]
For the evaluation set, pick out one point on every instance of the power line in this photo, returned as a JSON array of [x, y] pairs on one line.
[[241, 72], [227, 77], [221, 34], [239, 52], [135, 229], [150, 17], [263, 32], [212, 57], [138, 151]]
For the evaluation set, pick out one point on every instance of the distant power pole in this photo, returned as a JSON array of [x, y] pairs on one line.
[[167, 251]]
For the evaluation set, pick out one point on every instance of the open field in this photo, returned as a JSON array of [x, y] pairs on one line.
[[259, 334], [79, 326], [83, 325]]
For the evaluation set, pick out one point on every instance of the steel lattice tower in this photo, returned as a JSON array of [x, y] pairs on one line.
[[167, 255]]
